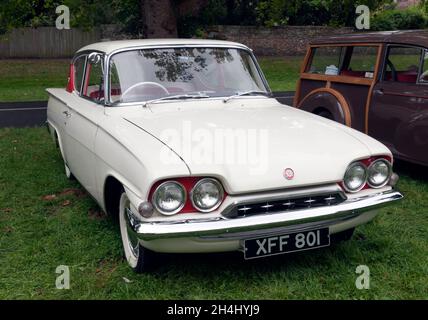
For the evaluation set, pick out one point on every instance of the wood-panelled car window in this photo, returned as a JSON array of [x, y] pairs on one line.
[[326, 60], [350, 61], [360, 61], [402, 64]]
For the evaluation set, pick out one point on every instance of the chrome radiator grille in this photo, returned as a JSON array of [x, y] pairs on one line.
[[290, 204]]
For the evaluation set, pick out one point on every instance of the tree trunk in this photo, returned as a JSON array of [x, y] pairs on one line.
[[159, 18]]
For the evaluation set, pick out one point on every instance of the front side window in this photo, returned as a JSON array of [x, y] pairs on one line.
[[402, 64], [93, 87], [142, 75], [423, 78], [326, 60], [79, 68]]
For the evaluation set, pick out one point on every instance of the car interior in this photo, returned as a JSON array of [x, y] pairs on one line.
[[401, 65]]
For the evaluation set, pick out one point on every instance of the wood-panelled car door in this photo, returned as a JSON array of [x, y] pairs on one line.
[[398, 113], [82, 126]]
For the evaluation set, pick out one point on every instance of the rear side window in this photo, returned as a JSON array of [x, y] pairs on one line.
[[361, 62], [402, 64], [326, 60], [79, 69]]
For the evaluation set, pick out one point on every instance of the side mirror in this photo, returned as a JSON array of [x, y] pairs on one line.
[[94, 58]]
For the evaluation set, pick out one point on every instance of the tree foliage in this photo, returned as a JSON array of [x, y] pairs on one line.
[[394, 19], [270, 13], [83, 13]]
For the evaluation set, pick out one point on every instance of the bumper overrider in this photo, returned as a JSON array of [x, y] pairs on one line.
[[226, 234]]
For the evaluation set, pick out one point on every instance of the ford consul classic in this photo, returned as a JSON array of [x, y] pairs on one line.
[[182, 141], [376, 83]]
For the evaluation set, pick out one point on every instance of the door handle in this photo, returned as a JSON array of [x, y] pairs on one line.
[[67, 114], [379, 92]]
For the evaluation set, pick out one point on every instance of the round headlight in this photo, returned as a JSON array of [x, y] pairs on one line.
[[379, 173], [207, 195], [169, 198], [355, 177]]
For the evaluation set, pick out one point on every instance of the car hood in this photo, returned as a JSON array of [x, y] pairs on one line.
[[249, 143]]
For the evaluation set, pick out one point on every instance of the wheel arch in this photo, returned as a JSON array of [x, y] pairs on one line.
[[330, 100], [112, 190]]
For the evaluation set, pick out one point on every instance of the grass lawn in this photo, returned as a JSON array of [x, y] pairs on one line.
[[26, 80], [39, 231], [282, 73]]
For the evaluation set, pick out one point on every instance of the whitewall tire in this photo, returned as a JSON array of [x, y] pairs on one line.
[[68, 173], [138, 257]]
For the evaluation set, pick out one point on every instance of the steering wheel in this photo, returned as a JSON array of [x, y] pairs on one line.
[[143, 84], [393, 70]]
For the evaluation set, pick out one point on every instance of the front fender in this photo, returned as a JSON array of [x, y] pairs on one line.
[[132, 157]]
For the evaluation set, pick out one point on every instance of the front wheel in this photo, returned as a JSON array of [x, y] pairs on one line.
[[138, 257]]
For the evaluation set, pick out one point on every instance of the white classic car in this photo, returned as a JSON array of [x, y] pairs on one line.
[[184, 143]]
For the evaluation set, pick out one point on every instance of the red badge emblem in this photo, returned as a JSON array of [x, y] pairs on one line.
[[289, 174]]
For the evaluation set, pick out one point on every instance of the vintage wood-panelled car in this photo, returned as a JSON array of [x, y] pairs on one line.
[[376, 83]]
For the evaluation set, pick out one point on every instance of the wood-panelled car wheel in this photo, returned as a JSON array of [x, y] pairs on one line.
[[138, 257], [325, 114]]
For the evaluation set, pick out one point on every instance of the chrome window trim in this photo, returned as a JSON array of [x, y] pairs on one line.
[[77, 57], [107, 97]]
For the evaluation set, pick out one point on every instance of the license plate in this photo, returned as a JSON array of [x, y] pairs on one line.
[[291, 242]]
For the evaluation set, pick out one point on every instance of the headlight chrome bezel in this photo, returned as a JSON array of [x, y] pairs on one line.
[[219, 201], [364, 182], [388, 164], [155, 194]]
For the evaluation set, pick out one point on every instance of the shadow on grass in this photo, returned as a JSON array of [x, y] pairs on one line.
[[201, 264]]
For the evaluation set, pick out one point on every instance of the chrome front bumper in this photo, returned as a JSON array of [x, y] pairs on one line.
[[226, 228]]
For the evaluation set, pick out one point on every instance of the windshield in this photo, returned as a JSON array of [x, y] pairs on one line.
[[142, 75]]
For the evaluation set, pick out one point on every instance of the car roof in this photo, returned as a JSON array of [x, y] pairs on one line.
[[111, 46], [409, 37]]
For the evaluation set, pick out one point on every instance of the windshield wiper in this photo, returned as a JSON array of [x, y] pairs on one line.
[[246, 93], [177, 97]]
